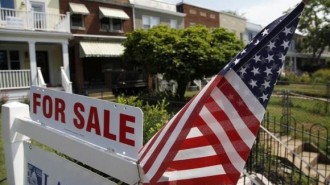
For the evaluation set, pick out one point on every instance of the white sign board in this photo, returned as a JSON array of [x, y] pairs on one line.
[[109, 125], [44, 168]]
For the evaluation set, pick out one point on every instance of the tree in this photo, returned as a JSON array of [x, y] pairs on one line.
[[181, 55], [314, 24]]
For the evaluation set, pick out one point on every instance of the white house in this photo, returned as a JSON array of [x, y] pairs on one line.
[[33, 46]]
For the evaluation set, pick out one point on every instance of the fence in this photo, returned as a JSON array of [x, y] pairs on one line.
[[293, 145]]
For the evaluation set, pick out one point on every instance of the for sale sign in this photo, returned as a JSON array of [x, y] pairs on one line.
[[109, 125]]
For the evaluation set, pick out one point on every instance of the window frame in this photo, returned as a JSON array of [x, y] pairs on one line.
[[82, 19]]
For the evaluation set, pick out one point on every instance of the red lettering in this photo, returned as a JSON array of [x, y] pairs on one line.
[[59, 109], [124, 128], [106, 131], [79, 123], [93, 121], [36, 102], [47, 102]]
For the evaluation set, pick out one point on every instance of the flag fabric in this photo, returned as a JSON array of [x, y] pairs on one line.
[[209, 140]]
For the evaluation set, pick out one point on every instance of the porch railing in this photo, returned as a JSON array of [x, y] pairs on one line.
[[40, 79], [11, 79], [66, 83], [30, 20]]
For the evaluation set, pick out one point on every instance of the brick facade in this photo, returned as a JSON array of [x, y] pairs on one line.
[[92, 21], [197, 15]]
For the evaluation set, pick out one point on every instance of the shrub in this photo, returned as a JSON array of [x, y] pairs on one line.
[[154, 116], [321, 76]]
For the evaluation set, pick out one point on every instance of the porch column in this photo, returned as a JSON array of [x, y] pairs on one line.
[[33, 62], [65, 54]]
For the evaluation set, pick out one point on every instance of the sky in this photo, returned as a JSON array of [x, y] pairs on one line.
[[260, 12]]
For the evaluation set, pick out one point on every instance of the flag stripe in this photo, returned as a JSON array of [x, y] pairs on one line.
[[210, 180], [195, 153], [230, 150], [239, 125], [196, 142], [233, 135], [194, 132], [195, 162], [195, 173]]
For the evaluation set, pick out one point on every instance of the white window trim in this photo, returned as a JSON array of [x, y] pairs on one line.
[[78, 27]]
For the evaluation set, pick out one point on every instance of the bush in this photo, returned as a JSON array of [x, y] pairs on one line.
[[154, 116], [321, 76]]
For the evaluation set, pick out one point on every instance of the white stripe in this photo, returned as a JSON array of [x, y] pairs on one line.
[[217, 129], [194, 132], [165, 150], [193, 173], [243, 131], [192, 153], [250, 100]]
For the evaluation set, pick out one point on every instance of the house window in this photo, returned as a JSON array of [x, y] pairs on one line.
[[212, 16], [77, 21], [111, 24], [7, 4], [203, 14], [192, 11], [150, 21], [9, 60], [174, 23]]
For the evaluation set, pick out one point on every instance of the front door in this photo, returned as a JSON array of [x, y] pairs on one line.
[[42, 62]]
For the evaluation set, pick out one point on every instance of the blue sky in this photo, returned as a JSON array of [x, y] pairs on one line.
[[257, 11]]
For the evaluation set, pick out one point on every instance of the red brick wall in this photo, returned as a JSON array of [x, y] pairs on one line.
[[92, 21], [197, 18]]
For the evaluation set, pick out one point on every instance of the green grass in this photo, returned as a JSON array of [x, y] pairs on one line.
[[2, 158], [306, 112], [316, 90]]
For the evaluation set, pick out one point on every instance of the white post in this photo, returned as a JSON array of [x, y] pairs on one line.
[[13, 141], [65, 54], [33, 62]]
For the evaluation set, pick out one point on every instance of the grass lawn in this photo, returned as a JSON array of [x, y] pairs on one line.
[[316, 90]]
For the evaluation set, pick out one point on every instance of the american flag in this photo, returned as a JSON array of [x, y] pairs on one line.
[[209, 140]]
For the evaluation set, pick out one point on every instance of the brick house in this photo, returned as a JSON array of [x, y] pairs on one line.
[[98, 29]]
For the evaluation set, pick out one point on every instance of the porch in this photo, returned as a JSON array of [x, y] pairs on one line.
[[15, 84], [30, 20]]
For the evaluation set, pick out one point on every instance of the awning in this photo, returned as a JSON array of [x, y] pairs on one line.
[[100, 49], [113, 13], [78, 8]]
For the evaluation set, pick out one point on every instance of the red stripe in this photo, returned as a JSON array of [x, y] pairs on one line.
[[195, 143], [175, 147], [195, 163], [228, 127], [210, 180], [225, 162]]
